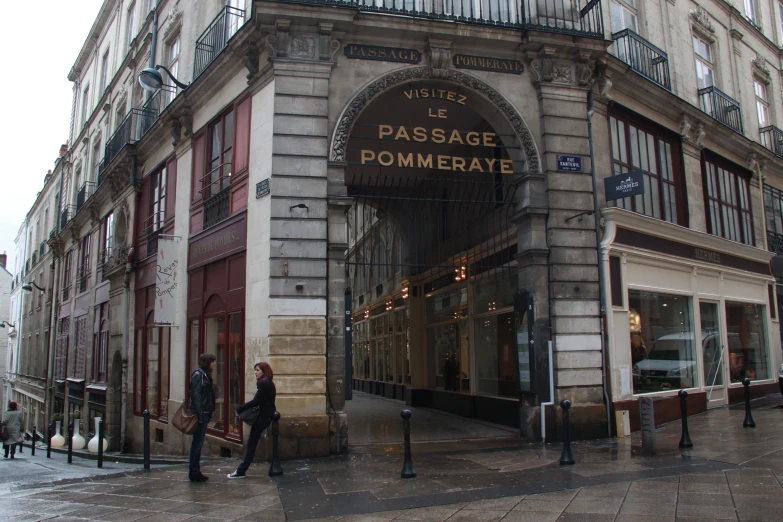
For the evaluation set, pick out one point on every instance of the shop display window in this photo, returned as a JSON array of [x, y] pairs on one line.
[[662, 342], [214, 342], [747, 342], [496, 351]]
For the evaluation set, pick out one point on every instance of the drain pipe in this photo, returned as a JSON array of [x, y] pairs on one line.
[[551, 401], [601, 276]]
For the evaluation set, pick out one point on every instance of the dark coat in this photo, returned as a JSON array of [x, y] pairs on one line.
[[12, 421], [265, 398], [202, 394]]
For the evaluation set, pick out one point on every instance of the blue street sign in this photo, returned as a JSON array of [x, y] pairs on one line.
[[569, 163]]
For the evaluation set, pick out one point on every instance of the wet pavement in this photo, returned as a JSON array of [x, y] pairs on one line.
[[732, 473]]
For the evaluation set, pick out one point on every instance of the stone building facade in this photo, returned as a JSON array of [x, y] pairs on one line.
[[404, 205]]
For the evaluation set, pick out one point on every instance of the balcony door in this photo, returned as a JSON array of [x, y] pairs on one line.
[[713, 353]]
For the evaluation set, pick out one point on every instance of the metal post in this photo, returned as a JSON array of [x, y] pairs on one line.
[[275, 470], [146, 440], [70, 441], [566, 459], [685, 440], [35, 439], [748, 417], [407, 466], [100, 442], [49, 441]]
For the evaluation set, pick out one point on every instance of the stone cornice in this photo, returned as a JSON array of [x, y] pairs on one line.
[[93, 38], [616, 217]]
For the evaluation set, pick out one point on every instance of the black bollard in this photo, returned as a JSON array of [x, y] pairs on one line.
[[100, 443], [275, 470], [35, 439], [407, 466], [49, 442], [685, 440], [566, 459], [146, 440], [70, 441], [748, 417]]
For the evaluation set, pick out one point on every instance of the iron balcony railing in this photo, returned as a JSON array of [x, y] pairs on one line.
[[578, 17], [775, 242], [215, 37], [772, 138], [152, 108], [53, 233], [132, 128], [152, 243], [83, 278], [152, 228], [84, 194], [101, 168], [66, 215], [66, 292], [216, 208], [721, 107], [34, 259], [643, 57], [41, 250]]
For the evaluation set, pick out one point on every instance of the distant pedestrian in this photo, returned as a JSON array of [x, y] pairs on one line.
[[202, 403], [265, 400], [12, 421]]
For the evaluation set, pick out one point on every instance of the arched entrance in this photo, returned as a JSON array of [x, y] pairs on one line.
[[434, 163]]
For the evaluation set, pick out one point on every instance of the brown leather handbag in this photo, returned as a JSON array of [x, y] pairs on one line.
[[185, 421]]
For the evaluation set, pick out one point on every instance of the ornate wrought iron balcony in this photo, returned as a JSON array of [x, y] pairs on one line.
[[84, 193], [41, 250], [216, 208], [643, 57], [772, 138], [215, 37], [66, 215], [775, 242], [721, 107], [578, 17]]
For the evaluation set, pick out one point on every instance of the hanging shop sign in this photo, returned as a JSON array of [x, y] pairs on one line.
[[384, 54], [166, 281], [487, 63], [569, 163], [624, 185]]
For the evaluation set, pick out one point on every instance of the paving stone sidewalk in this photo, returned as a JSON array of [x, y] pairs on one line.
[[731, 474]]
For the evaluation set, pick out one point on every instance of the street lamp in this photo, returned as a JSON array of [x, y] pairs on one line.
[[28, 287], [152, 80], [4, 323]]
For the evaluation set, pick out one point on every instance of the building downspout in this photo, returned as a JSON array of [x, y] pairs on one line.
[[124, 352], [601, 276]]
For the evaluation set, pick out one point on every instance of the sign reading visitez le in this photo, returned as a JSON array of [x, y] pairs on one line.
[[430, 126]]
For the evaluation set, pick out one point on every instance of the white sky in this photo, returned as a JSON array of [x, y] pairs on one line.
[[40, 43]]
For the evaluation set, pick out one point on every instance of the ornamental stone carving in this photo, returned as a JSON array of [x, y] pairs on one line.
[[760, 69], [251, 54], [685, 127], [562, 73], [174, 23], [306, 46], [701, 19], [604, 84], [700, 135], [440, 53], [368, 94], [541, 70]]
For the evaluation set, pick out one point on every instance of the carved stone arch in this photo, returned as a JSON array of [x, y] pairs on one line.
[[370, 92]]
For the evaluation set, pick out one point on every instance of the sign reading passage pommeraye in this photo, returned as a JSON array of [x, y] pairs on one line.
[[569, 163], [624, 185]]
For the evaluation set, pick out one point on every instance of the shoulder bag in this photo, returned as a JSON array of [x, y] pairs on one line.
[[250, 415], [185, 421], [4, 435]]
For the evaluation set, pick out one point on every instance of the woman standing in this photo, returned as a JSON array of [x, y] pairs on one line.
[[265, 400], [202, 403], [12, 421]]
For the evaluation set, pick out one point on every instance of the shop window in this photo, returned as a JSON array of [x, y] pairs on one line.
[[61, 348], [227, 345], [773, 212], [447, 340], [662, 342], [727, 200], [641, 145], [152, 369], [747, 342]]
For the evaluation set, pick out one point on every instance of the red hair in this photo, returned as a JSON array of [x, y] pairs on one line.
[[266, 369]]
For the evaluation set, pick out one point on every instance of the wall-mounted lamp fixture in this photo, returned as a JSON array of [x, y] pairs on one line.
[[4, 323], [28, 287], [152, 80]]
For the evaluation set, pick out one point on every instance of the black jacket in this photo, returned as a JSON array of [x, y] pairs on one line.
[[265, 398], [202, 394]]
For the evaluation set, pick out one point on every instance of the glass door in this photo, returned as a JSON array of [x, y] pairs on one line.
[[713, 350]]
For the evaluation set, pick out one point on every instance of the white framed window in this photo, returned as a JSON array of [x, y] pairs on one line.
[[130, 29], [234, 20], [104, 71], [85, 104], [705, 75], [172, 57], [762, 103], [751, 12], [624, 15], [96, 159]]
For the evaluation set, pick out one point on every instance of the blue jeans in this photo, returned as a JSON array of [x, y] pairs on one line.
[[194, 462], [252, 441]]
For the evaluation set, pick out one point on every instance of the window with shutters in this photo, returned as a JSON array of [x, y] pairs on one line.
[[727, 198], [100, 346], [61, 349], [79, 348]]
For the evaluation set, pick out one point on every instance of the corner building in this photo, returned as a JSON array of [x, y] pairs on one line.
[[397, 198]]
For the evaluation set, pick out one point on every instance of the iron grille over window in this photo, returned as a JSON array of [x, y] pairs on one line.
[[216, 208]]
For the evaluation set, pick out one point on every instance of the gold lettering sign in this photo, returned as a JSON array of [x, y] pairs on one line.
[[385, 54], [485, 63]]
